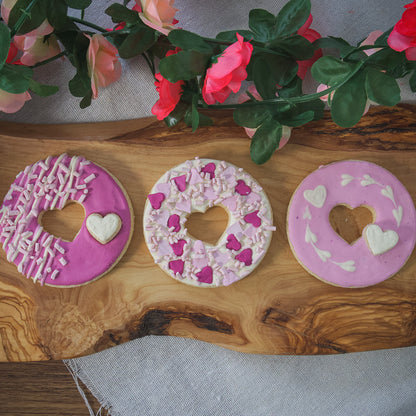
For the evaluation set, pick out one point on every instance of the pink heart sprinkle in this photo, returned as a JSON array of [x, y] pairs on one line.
[[176, 266], [253, 218], [156, 200], [205, 275], [209, 168], [180, 182], [230, 203], [178, 247], [242, 188], [173, 221], [195, 177], [233, 243], [246, 256]]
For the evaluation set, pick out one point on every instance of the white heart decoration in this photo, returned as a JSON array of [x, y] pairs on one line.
[[317, 196], [380, 241], [103, 229]]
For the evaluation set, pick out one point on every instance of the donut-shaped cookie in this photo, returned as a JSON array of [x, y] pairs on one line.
[[385, 244], [196, 185], [51, 184]]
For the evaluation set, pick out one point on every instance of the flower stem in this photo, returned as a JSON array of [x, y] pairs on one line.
[[89, 24], [51, 59], [25, 14]]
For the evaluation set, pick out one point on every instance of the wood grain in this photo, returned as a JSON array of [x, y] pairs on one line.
[[278, 309]]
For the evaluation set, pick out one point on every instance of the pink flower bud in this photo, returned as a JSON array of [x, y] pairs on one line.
[[158, 14]]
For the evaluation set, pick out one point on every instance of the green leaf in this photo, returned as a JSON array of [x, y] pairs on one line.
[[231, 35], [292, 17], [296, 46], [4, 43], [265, 141], [78, 4], [349, 101], [42, 89], [58, 15], [80, 85], [332, 42], [251, 115], [137, 42], [194, 113], [183, 66], [381, 88], [176, 115], [387, 59], [298, 119], [263, 78], [293, 89], [317, 106], [120, 13], [205, 120], [15, 78], [32, 21], [189, 41], [412, 82], [261, 22], [331, 71], [86, 101], [382, 40]]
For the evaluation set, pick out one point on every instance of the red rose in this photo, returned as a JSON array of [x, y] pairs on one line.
[[403, 36], [169, 93], [226, 75], [310, 35]]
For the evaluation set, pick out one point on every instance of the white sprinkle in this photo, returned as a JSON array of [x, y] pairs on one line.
[[81, 186], [81, 198], [89, 178], [48, 270], [85, 191], [64, 168], [59, 248], [54, 274], [42, 165], [37, 247], [61, 178], [85, 162], [63, 261]]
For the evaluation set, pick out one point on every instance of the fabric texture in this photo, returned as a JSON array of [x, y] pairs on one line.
[[171, 376]]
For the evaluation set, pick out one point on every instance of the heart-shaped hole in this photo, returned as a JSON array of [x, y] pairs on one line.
[[349, 223], [208, 226], [63, 223]]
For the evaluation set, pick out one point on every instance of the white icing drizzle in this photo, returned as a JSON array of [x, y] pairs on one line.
[[386, 191], [40, 187]]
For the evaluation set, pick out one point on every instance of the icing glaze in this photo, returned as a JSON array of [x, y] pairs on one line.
[[51, 184], [197, 185], [385, 245]]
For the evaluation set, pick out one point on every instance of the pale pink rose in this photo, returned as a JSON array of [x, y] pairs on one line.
[[370, 40], [6, 6], [10, 103], [34, 45], [104, 68], [158, 14], [324, 98], [286, 130]]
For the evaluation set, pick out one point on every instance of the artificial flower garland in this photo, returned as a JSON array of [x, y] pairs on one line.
[[195, 72]]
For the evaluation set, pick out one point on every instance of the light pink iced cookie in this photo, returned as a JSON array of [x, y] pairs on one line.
[[385, 244], [51, 184], [196, 185]]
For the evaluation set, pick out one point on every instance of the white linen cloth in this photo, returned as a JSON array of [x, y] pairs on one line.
[[170, 376]]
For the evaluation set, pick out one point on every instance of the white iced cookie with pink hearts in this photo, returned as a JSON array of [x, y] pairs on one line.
[[385, 245], [51, 184], [197, 185]]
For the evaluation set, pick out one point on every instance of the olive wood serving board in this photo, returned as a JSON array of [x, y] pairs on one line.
[[278, 309]]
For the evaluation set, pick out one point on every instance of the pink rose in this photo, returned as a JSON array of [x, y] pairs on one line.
[[158, 14], [169, 93], [225, 76], [286, 130], [10, 103], [104, 68], [403, 36], [310, 35]]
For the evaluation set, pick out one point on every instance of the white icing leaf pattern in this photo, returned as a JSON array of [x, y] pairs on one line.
[[323, 254], [346, 179], [348, 266], [388, 192], [398, 214], [368, 180], [307, 214], [310, 237]]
